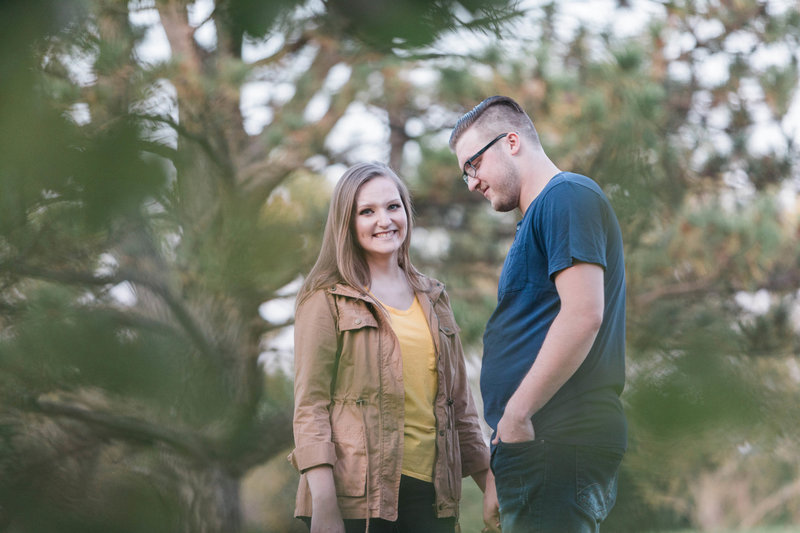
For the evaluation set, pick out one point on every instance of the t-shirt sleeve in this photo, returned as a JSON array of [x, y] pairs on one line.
[[572, 227]]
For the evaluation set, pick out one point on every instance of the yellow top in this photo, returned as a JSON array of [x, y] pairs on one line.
[[419, 378]]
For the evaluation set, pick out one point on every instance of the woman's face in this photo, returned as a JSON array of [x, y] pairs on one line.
[[380, 220]]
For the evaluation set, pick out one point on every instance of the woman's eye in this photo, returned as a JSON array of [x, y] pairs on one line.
[[365, 212], [394, 207]]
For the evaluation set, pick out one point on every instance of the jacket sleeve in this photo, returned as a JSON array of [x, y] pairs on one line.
[[474, 450], [315, 344]]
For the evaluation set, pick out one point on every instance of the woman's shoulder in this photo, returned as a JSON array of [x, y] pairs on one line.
[[334, 288], [424, 281], [334, 295], [433, 288], [318, 302], [312, 297]]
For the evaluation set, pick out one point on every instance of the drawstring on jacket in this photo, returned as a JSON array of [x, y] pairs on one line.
[[360, 402]]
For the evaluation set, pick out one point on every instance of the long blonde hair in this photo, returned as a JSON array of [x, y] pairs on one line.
[[341, 258]]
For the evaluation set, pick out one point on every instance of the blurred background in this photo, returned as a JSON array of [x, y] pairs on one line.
[[165, 169]]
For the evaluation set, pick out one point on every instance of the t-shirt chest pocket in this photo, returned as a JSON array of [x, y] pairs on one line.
[[515, 269]]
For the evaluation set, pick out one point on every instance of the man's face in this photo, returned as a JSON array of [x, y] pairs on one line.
[[489, 169]]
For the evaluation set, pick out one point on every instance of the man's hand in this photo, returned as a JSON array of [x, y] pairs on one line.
[[514, 426]]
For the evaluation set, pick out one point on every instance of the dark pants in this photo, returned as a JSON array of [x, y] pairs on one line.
[[415, 514], [545, 487]]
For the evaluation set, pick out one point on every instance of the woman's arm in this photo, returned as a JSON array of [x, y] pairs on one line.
[[315, 344], [474, 451], [325, 516], [315, 341], [491, 508]]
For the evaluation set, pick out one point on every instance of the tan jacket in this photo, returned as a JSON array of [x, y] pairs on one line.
[[354, 421]]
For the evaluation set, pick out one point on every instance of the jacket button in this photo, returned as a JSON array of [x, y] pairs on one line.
[[441, 433], [358, 321], [446, 330]]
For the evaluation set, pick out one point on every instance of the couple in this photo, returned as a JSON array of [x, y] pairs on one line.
[[384, 422]]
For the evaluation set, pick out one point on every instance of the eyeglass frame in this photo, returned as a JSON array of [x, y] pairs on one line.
[[465, 175]]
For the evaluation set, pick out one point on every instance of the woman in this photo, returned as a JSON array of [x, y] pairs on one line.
[[384, 423]]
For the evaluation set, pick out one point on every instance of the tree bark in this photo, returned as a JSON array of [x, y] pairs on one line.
[[214, 502]]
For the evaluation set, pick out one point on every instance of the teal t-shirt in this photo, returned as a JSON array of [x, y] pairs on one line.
[[570, 221]]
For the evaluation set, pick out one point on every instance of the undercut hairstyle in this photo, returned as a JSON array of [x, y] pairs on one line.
[[341, 259], [493, 116]]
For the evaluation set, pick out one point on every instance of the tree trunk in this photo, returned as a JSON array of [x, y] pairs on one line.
[[213, 502]]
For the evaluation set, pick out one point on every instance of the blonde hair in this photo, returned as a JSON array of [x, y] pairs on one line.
[[341, 259]]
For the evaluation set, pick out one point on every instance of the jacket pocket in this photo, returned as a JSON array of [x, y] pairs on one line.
[[447, 324], [353, 317], [448, 350], [350, 469]]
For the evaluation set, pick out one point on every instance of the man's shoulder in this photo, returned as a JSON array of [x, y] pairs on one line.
[[569, 192], [571, 183]]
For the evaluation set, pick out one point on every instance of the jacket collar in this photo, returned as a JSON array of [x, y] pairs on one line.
[[434, 290]]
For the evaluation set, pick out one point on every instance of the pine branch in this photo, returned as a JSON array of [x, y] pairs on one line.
[[199, 140], [179, 310], [130, 429], [771, 503], [677, 289], [289, 49]]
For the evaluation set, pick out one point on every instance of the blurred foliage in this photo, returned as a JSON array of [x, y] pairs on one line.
[[141, 229], [145, 217]]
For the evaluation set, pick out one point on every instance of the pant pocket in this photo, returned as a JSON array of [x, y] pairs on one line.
[[516, 459], [519, 470], [596, 471]]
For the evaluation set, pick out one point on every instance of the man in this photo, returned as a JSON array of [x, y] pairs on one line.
[[554, 348]]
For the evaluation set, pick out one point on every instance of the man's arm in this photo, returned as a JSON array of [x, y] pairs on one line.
[[566, 345]]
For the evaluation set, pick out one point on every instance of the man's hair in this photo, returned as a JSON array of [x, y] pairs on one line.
[[493, 116]]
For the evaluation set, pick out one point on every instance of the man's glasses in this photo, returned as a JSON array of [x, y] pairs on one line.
[[469, 169]]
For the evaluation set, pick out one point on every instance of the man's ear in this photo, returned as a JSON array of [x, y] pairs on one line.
[[514, 142]]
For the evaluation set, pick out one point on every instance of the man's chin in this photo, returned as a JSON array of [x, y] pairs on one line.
[[502, 207]]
